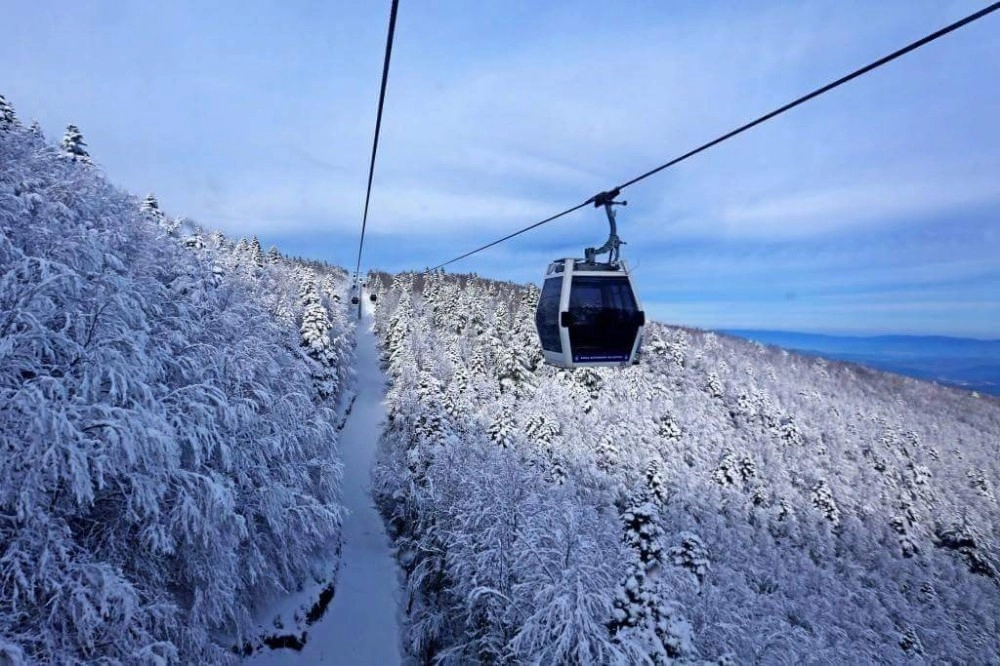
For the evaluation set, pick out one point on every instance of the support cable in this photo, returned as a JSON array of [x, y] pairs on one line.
[[598, 199], [378, 127]]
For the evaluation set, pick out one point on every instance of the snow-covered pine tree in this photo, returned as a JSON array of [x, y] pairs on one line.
[[478, 366], [400, 324], [7, 117], [608, 455], [429, 427], [655, 483], [452, 405], [642, 613], [428, 389], [241, 251], [151, 208], [642, 532], [328, 285], [713, 384], [541, 429], [195, 242], [668, 428], [590, 379], [501, 431], [556, 470], [823, 500], [911, 644], [524, 336], [477, 316], [315, 332], [632, 602], [73, 145], [460, 379], [692, 555], [789, 431], [501, 320], [217, 240], [646, 621], [256, 254], [306, 279], [511, 369], [735, 470]]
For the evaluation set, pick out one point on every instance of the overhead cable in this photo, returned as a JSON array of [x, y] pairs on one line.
[[378, 127], [912, 46]]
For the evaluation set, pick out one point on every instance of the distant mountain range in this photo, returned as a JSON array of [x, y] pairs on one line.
[[961, 362]]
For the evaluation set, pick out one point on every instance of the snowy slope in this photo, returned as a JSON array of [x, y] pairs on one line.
[[361, 624], [720, 501], [169, 455]]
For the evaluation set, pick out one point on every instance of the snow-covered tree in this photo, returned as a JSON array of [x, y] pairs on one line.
[[7, 117], [151, 208], [256, 253], [655, 483], [501, 431], [162, 469], [315, 330], [692, 555], [750, 477], [608, 453], [73, 145], [643, 533], [668, 427], [823, 500]]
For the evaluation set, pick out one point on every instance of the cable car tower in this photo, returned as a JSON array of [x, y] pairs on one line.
[[588, 314]]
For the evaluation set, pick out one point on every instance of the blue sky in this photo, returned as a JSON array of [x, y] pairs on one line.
[[874, 209]]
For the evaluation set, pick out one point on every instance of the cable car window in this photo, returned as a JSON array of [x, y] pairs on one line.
[[547, 315], [611, 293], [604, 319]]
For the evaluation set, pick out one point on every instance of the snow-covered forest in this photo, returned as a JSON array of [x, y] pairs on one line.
[[169, 411], [167, 419], [720, 501]]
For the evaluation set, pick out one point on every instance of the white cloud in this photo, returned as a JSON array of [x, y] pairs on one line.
[[821, 211], [316, 206]]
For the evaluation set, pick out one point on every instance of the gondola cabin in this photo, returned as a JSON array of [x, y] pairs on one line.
[[372, 297], [588, 315]]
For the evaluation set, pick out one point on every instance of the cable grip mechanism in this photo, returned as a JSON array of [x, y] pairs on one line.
[[613, 244]]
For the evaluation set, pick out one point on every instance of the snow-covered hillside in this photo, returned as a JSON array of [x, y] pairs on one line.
[[167, 440], [169, 466], [720, 501]]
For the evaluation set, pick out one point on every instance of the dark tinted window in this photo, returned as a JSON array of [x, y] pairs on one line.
[[547, 315], [604, 319], [605, 293]]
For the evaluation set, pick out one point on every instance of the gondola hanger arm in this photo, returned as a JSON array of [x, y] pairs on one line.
[[613, 244]]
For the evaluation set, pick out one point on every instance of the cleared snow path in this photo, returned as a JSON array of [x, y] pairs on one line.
[[361, 625]]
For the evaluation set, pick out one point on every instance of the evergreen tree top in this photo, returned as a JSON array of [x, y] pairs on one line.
[[73, 145], [7, 115], [150, 202]]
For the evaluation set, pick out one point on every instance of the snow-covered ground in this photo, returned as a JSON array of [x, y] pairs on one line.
[[361, 625]]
